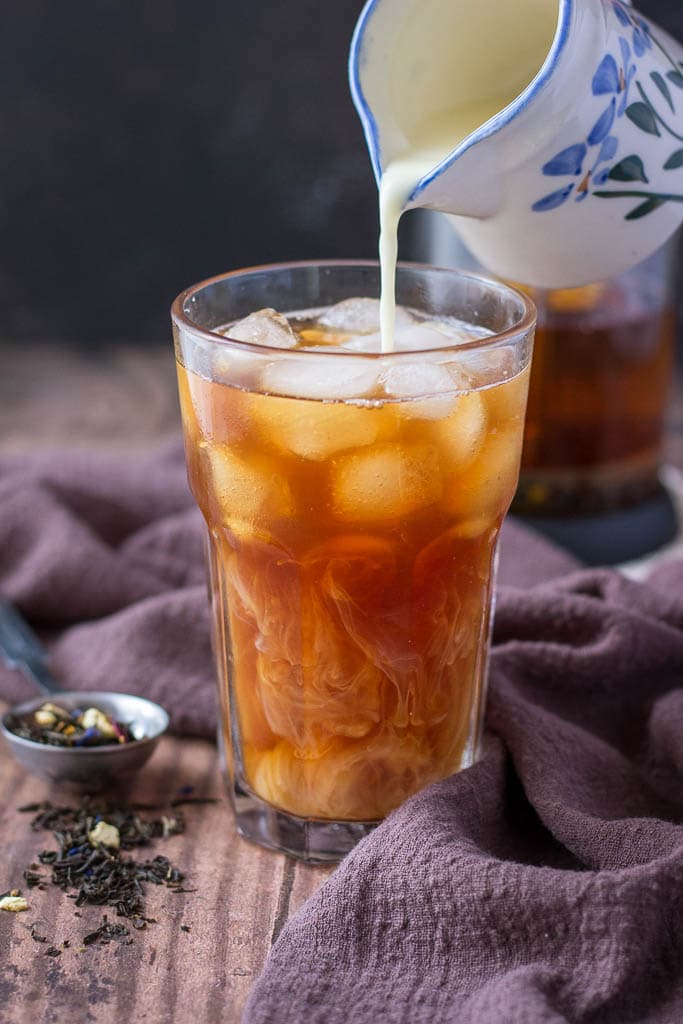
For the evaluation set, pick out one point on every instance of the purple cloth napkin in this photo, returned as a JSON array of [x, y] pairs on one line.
[[545, 884], [104, 556]]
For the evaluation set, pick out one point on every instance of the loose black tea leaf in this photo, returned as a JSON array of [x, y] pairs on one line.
[[100, 874], [92, 866], [105, 933]]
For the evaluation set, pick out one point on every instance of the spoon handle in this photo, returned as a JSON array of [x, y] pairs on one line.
[[20, 648]]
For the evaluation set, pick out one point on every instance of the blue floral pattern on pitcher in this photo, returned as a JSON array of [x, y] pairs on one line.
[[590, 161]]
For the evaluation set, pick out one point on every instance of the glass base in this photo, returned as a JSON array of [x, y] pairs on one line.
[[312, 840]]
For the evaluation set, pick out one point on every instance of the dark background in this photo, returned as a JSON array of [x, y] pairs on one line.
[[149, 144]]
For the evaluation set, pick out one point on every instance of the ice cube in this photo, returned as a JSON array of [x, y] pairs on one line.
[[419, 337], [487, 487], [359, 316], [221, 411], [408, 337], [363, 342], [490, 366], [264, 327], [417, 380], [315, 430], [506, 402], [459, 331], [420, 381], [247, 490], [328, 377], [238, 367], [430, 334], [460, 434], [389, 482]]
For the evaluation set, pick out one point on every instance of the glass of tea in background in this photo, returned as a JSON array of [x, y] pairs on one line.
[[353, 501], [601, 381]]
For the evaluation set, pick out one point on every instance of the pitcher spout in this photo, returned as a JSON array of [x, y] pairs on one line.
[[431, 77]]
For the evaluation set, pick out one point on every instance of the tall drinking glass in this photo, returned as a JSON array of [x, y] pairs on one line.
[[353, 501], [604, 363]]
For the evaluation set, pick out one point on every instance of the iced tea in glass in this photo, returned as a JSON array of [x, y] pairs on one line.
[[598, 396], [353, 501]]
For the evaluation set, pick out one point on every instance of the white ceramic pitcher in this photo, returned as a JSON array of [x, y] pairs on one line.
[[576, 179]]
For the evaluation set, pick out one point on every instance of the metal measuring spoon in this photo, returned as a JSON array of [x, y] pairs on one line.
[[85, 767]]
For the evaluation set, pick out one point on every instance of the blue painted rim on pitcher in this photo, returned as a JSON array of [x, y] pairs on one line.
[[489, 128]]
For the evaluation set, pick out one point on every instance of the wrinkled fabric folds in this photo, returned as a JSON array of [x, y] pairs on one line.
[[545, 884], [104, 556]]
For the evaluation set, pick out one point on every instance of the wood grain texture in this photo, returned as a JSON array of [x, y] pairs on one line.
[[243, 897], [52, 395]]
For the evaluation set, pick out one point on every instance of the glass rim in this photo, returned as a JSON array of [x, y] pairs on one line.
[[182, 320]]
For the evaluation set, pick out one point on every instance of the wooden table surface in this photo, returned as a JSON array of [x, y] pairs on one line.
[[243, 897], [124, 400]]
